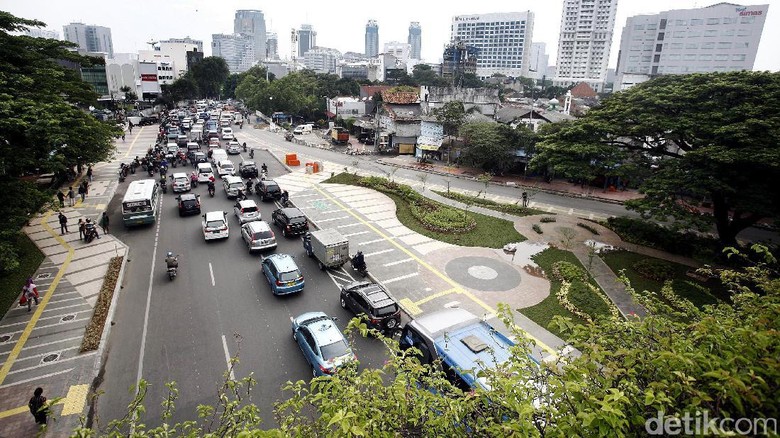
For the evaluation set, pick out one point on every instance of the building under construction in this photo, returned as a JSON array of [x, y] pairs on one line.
[[459, 59]]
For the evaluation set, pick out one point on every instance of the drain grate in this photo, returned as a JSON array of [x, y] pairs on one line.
[[43, 276], [49, 358], [68, 318], [5, 338]]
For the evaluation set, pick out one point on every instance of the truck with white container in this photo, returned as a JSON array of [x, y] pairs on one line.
[[328, 246]]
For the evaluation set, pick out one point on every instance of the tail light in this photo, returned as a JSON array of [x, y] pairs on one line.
[[279, 283], [288, 226], [374, 321], [326, 370]]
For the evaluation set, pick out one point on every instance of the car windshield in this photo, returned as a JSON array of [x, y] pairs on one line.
[[262, 235], [289, 276], [181, 179], [336, 349], [387, 310], [215, 224], [297, 220], [227, 165], [189, 203], [248, 209]]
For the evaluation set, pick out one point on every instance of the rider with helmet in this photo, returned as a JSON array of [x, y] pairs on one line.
[[171, 260]]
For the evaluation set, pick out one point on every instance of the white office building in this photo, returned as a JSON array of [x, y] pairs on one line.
[[238, 51], [584, 42], [537, 67], [401, 51], [251, 23], [322, 59], [271, 46], [502, 39], [717, 38], [172, 51], [90, 37]]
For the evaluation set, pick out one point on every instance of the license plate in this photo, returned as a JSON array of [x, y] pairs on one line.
[[290, 283]]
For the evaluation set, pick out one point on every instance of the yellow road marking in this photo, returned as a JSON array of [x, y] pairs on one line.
[[75, 400], [410, 307], [6, 368], [14, 411], [423, 263], [132, 143], [437, 295]]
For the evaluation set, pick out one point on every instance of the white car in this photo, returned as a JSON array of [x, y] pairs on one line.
[[258, 235], [215, 225], [205, 173], [225, 167], [180, 182], [232, 184], [234, 148], [227, 134], [246, 211]]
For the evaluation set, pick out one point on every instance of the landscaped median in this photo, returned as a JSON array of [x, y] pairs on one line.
[[95, 327], [514, 209], [435, 220]]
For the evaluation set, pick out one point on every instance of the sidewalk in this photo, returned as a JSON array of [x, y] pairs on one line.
[[41, 348], [531, 184]]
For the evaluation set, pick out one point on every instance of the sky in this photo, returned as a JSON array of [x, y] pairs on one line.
[[341, 24]]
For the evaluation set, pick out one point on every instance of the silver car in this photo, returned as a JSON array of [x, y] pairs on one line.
[[246, 211], [258, 235]]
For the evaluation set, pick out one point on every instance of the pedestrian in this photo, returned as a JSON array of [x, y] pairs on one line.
[[82, 192], [38, 406], [61, 197], [63, 224], [123, 136], [85, 184], [71, 196], [89, 173], [30, 291], [82, 229], [525, 199], [104, 222]]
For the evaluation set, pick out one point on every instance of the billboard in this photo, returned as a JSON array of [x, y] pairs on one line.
[[149, 83]]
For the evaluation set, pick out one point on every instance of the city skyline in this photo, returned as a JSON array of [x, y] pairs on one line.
[[344, 31]]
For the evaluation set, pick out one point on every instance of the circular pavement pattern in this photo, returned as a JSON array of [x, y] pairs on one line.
[[483, 273]]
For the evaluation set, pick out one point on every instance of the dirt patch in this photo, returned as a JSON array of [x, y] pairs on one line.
[[94, 329]]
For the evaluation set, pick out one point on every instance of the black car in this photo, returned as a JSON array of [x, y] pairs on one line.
[[291, 220], [247, 169], [268, 189], [372, 300], [189, 203]]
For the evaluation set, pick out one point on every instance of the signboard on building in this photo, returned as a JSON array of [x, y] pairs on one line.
[[150, 86]]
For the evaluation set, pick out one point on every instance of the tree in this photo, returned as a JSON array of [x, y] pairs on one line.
[[423, 74], [130, 95], [451, 115], [489, 146], [710, 136], [678, 362], [210, 75]]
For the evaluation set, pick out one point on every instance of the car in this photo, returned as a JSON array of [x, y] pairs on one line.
[[246, 210], [204, 171], [232, 184], [268, 189], [372, 300], [247, 169], [322, 343], [214, 142], [283, 275], [215, 225], [180, 182], [291, 220], [225, 167], [199, 157], [233, 147], [227, 134], [258, 235], [189, 203]]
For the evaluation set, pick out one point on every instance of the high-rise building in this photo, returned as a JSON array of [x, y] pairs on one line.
[[252, 23], [401, 51], [237, 50], [90, 37], [307, 38], [271, 46], [584, 42], [721, 37], [322, 59], [175, 51], [415, 39], [537, 68], [372, 38], [502, 41]]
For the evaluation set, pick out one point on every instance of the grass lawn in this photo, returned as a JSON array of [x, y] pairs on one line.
[[490, 232], [30, 258], [503, 207], [683, 285], [580, 296]]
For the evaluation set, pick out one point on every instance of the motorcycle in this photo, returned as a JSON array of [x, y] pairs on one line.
[[173, 269], [360, 267], [251, 153], [163, 186], [90, 232], [288, 136], [244, 147], [211, 191], [121, 176]]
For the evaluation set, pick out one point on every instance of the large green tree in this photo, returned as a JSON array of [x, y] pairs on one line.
[[423, 74], [210, 74], [492, 146], [706, 136]]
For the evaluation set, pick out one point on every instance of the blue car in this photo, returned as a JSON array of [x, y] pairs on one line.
[[282, 274], [322, 343]]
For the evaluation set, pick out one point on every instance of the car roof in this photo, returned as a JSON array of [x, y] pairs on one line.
[[232, 179], [247, 203], [270, 182], [214, 215], [224, 162], [256, 226], [188, 196], [246, 163], [323, 328], [292, 212], [283, 262], [372, 292], [179, 175]]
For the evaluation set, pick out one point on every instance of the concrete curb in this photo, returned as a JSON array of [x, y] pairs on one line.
[[101, 351]]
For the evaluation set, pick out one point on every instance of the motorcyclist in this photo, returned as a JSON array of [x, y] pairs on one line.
[[251, 153], [244, 146], [171, 261], [285, 198], [358, 261], [264, 168], [211, 186]]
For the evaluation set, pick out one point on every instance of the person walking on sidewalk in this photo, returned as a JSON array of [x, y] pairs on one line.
[[82, 192], [525, 199], [63, 224], [104, 222], [82, 229], [71, 196], [38, 406], [30, 291], [61, 197], [89, 173]]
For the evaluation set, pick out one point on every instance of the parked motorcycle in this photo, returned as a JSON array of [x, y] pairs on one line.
[[90, 232]]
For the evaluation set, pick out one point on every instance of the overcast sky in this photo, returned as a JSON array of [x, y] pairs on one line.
[[340, 24]]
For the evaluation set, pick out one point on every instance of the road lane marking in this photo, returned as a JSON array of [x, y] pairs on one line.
[[374, 241], [411, 308], [211, 271], [398, 262], [6, 368], [437, 295], [58, 361], [36, 378], [402, 277], [356, 234], [333, 219], [227, 358], [132, 143], [348, 225], [379, 252]]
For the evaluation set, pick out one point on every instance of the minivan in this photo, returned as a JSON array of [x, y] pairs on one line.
[[282, 274]]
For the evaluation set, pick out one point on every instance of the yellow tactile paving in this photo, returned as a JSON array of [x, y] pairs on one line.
[[410, 307], [75, 400]]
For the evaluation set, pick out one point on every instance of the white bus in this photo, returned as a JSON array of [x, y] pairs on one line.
[[140, 203]]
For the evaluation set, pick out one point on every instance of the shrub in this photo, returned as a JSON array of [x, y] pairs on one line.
[[547, 219], [567, 271], [537, 228], [655, 269], [652, 235], [584, 298], [515, 209], [588, 227]]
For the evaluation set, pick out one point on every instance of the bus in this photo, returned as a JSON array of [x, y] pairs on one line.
[[140, 203]]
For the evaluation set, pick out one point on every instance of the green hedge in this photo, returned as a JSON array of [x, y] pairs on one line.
[[11, 282], [515, 209], [650, 234]]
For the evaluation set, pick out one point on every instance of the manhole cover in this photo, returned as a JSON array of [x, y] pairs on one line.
[[5, 338], [50, 358], [43, 276], [67, 318]]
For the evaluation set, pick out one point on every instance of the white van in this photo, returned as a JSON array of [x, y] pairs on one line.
[[302, 129], [218, 155]]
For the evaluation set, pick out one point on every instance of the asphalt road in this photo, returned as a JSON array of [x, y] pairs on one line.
[[219, 306]]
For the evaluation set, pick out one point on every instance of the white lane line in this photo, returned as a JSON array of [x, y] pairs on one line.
[[571, 211], [333, 219], [356, 234], [398, 262], [349, 225], [227, 357], [21, 370], [38, 378], [372, 241], [46, 343], [2, 327], [403, 277], [378, 252], [51, 325], [48, 353], [211, 271]]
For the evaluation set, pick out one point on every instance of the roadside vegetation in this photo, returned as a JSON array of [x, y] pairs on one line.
[[11, 281], [94, 330], [514, 209], [436, 220]]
